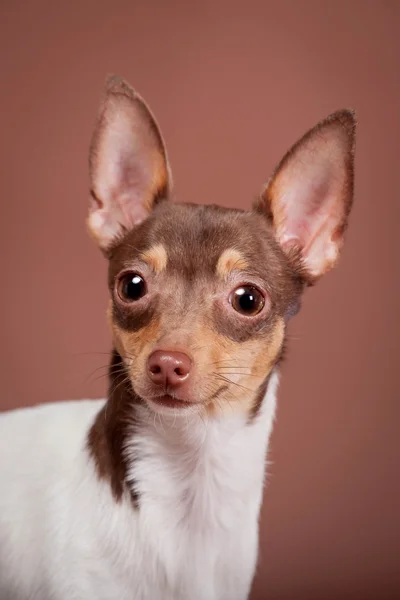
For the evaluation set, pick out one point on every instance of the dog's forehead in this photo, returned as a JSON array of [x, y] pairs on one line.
[[196, 237], [194, 240]]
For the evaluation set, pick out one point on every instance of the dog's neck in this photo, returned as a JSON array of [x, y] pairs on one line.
[[140, 452]]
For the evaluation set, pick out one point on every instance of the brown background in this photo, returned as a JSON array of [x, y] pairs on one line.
[[233, 87]]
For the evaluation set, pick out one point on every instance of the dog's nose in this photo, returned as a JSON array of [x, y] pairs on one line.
[[168, 368]]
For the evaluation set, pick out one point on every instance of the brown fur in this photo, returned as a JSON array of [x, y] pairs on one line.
[[108, 432]]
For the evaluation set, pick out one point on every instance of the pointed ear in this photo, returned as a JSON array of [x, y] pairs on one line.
[[128, 164], [309, 197]]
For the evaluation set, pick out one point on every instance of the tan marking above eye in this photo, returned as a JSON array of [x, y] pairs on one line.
[[230, 260], [156, 257]]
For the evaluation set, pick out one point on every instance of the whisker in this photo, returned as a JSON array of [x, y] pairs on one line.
[[93, 353], [240, 373], [173, 424], [159, 418], [123, 381], [238, 385], [218, 362], [91, 381], [231, 393], [106, 375], [98, 369]]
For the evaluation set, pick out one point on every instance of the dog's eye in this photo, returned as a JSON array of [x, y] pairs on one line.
[[131, 287], [247, 300]]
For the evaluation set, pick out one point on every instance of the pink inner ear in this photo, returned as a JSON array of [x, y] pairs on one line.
[[309, 196], [307, 207], [128, 167]]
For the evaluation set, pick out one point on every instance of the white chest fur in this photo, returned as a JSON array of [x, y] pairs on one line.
[[194, 535]]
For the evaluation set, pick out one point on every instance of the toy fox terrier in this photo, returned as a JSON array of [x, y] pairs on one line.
[[155, 492]]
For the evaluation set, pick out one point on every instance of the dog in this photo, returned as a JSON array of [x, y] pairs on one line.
[[155, 492]]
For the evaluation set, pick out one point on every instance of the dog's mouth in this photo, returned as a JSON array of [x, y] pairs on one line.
[[168, 401]]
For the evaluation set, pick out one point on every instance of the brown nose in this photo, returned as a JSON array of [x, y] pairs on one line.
[[167, 368]]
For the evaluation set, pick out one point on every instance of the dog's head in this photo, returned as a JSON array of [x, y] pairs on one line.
[[200, 295]]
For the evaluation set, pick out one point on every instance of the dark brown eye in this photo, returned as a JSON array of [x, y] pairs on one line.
[[247, 300], [131, 287]]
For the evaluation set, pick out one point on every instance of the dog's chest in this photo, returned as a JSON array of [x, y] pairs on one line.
[[174, 555], [198, 512], [194, 532]]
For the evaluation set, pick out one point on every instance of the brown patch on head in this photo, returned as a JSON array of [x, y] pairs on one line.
[[230, 260], [156, 257]]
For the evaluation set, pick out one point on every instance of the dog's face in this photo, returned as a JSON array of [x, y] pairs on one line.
[[207, 283], [200, 295]]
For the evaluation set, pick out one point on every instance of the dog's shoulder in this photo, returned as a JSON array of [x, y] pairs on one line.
[[48, 419], [34, 439]]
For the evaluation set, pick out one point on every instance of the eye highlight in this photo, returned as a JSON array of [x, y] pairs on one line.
[[131, 287], [247, 300]]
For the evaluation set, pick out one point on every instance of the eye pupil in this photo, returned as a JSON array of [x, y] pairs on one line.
[[131, 287], [247, 300]]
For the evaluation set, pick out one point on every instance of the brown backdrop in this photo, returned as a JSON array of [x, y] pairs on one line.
[[233, 87]]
